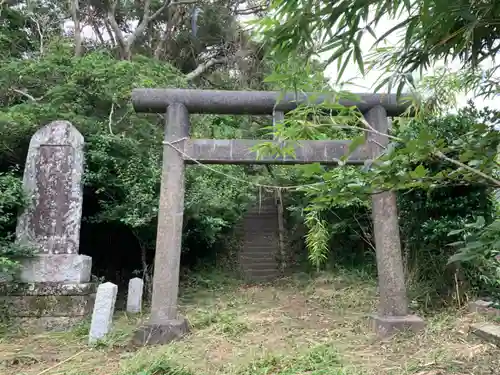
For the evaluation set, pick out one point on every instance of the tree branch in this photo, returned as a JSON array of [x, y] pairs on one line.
[[120, 39], [142, 25], [110, 32], [146, 19], [127, 43], [202, 68], [97, 32], [74, 10], [110, 118], [438, 153], [466, 167], [169, 29], [26, 95]]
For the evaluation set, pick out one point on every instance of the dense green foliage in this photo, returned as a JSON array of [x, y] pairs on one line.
[[123, 149], [423, 32], [431, 202], [427, 216], [49, 72], [11, 201], [441, 165]]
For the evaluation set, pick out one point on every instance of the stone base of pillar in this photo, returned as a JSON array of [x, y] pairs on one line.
[[388, 325], [46, 306], [62, 268], [158, 334]]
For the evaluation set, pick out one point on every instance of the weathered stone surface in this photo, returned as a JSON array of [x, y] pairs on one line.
[[170, 219], [392, 288], [53, 289], [46, 323], [484, 307], [252, 102], [134, 296], [48, 306], [53, 180], [104, 308], [259, 252], [63, 268], [47, 288], [388, 325], [487, 331], [239, 151], [158, 334]]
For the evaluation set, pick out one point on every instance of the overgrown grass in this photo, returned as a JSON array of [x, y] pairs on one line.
[[299, 325]]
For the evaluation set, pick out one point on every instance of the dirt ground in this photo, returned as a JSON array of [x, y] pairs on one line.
[[318, 326]]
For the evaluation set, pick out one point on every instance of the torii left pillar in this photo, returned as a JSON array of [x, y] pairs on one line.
[[164, 324]]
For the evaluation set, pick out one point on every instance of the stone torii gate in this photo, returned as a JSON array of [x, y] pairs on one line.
[[165, 324]]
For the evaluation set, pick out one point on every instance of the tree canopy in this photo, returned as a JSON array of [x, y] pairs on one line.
[[428, 31]]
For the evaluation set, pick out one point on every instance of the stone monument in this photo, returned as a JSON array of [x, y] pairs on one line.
[[53, 288], [104, 308], [134, 295]]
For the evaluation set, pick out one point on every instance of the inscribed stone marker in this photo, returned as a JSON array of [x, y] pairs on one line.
[[104, 308], [52, 290], [53, 182], [134, 297]]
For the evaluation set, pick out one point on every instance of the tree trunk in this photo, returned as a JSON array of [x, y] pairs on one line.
[[75, 9], [126, 44]]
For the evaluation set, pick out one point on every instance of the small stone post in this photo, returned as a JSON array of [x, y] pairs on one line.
[[53, 290], [393, 305], [104, 308], [134, 296], [164, 324]]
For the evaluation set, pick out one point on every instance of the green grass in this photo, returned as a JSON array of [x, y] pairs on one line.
[[299, 325]]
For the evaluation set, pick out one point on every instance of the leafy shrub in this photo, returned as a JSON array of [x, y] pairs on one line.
[[479, 249], [11, 200], [434, 196], [123, 148], [429, 211]]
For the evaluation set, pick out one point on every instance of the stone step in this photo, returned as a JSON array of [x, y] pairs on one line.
[[253, 242], [254, 258], [258, 246], [262, 272], [260, 260], [487, 331], [264, 216], [261, 253], [261, 232], [259, 265], [263, 209], [260, 236], [257, 258]]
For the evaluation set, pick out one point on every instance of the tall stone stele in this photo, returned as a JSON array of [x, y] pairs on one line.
[[53, 288]]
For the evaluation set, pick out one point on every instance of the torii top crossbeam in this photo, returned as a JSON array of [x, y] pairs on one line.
[[249, 102]]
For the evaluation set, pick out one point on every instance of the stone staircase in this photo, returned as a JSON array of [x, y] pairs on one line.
[[258, 255]]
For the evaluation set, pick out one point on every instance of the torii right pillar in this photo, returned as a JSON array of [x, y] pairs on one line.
[[393, 314]]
